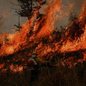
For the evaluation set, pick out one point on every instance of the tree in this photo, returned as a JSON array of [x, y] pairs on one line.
[[27, 7]]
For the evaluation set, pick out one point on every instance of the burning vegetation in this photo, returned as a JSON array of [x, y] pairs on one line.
[[37, 44]]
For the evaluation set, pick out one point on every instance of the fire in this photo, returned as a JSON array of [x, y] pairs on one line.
[[9, 50], [51, 18], [16, 68], [34, 32], [78, 43], [19, 38]]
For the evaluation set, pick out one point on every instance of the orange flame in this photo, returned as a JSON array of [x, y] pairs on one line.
[[42, 29]]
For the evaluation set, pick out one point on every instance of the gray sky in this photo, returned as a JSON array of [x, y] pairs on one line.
[[8, 17]]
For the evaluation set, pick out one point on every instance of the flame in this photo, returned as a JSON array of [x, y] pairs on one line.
[[16, 68], [81, 42], [52, 14], [33, 31], [19, 38], [9, 50]]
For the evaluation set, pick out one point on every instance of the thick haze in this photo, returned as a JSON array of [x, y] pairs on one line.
[[8, 17]]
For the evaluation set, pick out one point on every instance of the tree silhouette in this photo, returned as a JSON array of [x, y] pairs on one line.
[[27, 7]]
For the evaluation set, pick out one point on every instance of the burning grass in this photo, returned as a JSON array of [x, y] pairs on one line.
[[37, 48]]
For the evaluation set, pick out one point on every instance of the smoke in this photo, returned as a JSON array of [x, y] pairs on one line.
[[1, 22], [67, 8], [34, 30]]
